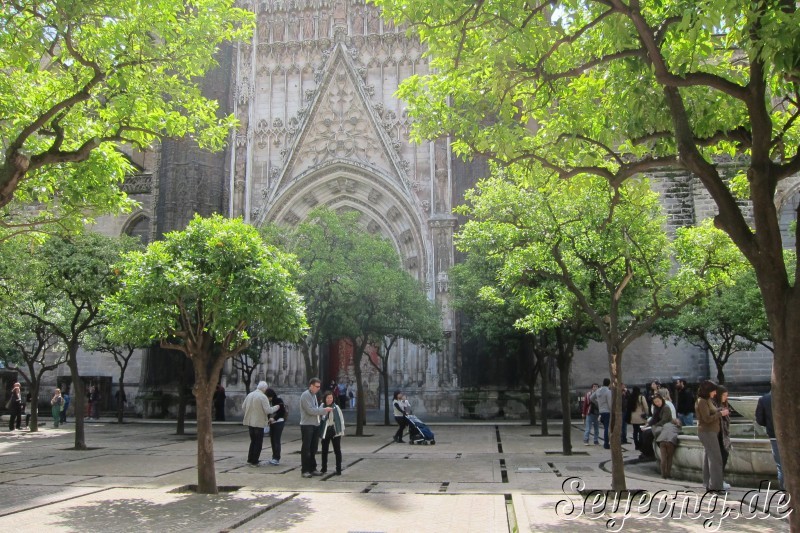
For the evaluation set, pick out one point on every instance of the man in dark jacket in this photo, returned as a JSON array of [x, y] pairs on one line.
[[764, 418], [684, 403]]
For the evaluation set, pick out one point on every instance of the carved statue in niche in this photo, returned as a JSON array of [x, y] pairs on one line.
[[324, 24], [277, 30], [388, 25], [294, 29], [358, 21], [442, 252], [339, 13], [373, 20], [440, 173], [308, 27], [263, 27]]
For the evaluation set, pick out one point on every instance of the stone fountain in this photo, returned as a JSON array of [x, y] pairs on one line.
[[750, 461]]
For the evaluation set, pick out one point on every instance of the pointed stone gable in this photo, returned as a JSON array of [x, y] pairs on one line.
[[341, 125]]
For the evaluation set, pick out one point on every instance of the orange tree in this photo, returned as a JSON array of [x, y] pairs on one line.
[[196, 292]]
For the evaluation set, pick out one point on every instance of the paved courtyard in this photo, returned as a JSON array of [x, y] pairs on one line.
[[489, 477]]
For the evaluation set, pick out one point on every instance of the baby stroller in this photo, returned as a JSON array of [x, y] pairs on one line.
[[418, 432]]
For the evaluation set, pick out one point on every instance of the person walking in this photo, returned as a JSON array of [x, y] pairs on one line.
[[602, 397], [256, 413], [708, 427], [684, 403], [764, 418], [56, 404], [310, 411], [592, 416], [401, 408], [14, 406], [332, 431], [276, 423]]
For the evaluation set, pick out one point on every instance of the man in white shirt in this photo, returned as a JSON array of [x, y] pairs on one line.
[[602, 397], [256, 413]]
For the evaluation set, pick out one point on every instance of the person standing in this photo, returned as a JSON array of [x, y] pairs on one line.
[[637, 406], [56, 403], [332, 431], [401, 408], [26, 409], [276, 423], [626, 414], [256, 413], [310, 411], [603, 398], [721, 401], [219, 403], [343, 398], [67, 399], [592, 416], [94, 403], [764, 418], [684, 403], [15, 404], [708, 428], [351, 393]]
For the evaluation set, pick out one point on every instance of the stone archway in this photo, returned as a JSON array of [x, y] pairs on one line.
[[385, 209]]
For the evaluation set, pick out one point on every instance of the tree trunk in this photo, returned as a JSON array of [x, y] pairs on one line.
[[180, 428], [78, 396], [361, 410], [564, 365], [206, 473], [121, 400], [617, 466], [543, 375], [786, 416], [385, 377], [33, 426], [720, 372]]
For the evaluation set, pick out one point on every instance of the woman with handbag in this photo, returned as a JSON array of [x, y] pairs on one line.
[[637, 406], [709, 418]]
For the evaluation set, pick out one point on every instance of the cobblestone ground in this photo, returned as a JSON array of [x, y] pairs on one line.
[[496, 477]]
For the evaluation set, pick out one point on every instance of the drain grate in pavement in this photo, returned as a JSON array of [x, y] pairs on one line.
[[370, 487], [193, 488], [503, 471], [499, 441], [560, 452], [577, 468], [444, 486], [554, 469]]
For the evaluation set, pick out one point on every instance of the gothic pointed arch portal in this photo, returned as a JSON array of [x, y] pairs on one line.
[[383, 207]]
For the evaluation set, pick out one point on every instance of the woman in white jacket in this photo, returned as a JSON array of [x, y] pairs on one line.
[[331, 431]]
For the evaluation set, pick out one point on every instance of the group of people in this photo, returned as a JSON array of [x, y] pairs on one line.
[[20, 408], [325, 422], [344, 394], [655, 418]]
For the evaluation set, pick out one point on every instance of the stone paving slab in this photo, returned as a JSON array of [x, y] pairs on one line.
[[395, 513], [118, 464], [142, 510], [544, 513]]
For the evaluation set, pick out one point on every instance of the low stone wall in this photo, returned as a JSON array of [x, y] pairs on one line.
[[749, 464]]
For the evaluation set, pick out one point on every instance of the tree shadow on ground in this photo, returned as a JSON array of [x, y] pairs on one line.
[[184, 512]]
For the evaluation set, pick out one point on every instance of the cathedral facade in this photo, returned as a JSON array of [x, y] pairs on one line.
[[320, 125]]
